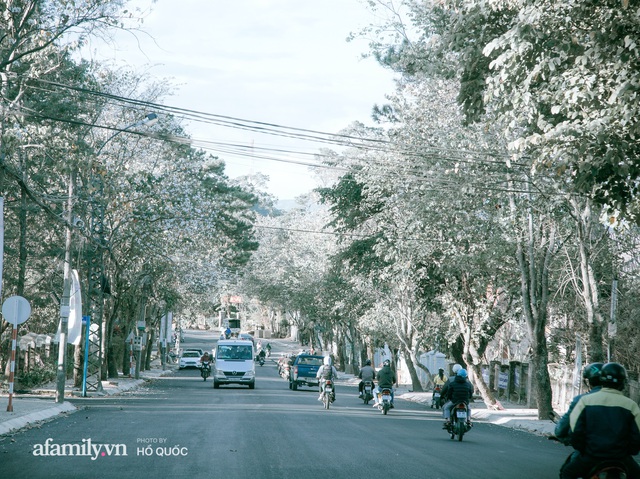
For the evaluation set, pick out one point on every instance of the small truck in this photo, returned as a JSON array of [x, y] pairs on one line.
[[303, 372]]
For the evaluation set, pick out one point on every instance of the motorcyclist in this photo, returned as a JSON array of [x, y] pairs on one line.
[[367, 373], [457, 391], [591, 378], [440, 379], [268, 348], [205, 358], [327, 371], [386, 379], [456, 367], [605, 425]]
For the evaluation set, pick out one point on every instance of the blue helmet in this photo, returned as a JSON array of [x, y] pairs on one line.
[[463, 373]]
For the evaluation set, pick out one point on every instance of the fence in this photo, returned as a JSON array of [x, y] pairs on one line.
[[512, 381]]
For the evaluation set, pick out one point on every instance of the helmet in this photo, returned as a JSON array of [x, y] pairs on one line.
[[591, 374], [386, 363], [367, 362], [327, 360], [462, 373], [613, 375], [456, 368]]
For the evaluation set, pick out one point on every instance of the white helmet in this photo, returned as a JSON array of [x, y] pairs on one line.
[[327, 360], [456, 368]]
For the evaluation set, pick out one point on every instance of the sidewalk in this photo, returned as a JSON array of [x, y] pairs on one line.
[[40, 405]]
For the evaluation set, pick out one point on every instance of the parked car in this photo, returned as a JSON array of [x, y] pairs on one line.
[[189, 359]]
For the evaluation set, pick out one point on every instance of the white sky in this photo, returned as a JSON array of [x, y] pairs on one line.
[[285, 62]]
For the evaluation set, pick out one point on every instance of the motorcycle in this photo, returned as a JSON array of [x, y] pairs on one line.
[[606, 469], [384, 400], [367, 391], [459, 423], [327, 393], [205, 370], [435, 397]]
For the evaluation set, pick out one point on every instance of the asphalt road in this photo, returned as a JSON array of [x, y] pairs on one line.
[[180, 427]]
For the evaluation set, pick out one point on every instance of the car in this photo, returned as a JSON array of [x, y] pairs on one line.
[[247, 337], [189, 359], [197, 350]]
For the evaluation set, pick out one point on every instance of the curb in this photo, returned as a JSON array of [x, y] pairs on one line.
[[23, 421]]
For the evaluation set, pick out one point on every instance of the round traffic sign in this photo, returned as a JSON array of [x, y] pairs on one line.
[[16, 310]]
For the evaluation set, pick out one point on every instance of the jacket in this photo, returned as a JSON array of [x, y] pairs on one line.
[[458, 390], [367, 373], [386, 377], [440, 381], [606, 425], [563, 429]]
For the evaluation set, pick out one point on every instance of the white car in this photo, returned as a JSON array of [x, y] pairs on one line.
[[189, 359]]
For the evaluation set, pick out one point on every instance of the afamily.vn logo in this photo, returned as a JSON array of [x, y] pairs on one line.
[[85, 448]]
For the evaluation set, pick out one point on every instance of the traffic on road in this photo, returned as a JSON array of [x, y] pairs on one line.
[[183, 427]]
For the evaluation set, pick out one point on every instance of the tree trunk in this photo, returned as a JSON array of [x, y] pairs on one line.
[[485, 392], [587, 288], [78, 364], [411, 359], [535, 248]]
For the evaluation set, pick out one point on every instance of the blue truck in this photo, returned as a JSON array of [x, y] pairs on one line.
[[303, 371]]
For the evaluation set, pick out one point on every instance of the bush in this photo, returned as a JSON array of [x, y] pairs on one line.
[[36, 377]]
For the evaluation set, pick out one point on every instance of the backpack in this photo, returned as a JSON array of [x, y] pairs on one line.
[[327, 372]]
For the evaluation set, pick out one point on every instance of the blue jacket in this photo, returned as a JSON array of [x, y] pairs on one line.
[[606, 425]]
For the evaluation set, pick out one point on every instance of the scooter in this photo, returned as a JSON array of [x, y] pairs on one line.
[[384, 400], [327, 393], [459, 424], [607, 469], [435, 397], [205, 370], [367, 391]]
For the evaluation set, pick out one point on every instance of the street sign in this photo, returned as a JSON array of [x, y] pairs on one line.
[[137, 343], [16, 310]]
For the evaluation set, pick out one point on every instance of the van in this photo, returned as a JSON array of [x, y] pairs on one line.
[[233, 363]]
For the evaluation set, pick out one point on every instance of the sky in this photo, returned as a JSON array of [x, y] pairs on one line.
[[285, 62]]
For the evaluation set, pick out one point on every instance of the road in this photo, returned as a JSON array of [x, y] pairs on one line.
[[180, 427]]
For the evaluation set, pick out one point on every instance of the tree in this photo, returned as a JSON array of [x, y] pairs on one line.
[[561, 78]]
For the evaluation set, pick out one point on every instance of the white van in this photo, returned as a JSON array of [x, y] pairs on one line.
[[233, 363]]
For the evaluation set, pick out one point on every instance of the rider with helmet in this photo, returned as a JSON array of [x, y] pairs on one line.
[[441, 378], [591, 379], [454, 392], [386, 380], [367, 373], [605, 425], [325, 372]]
